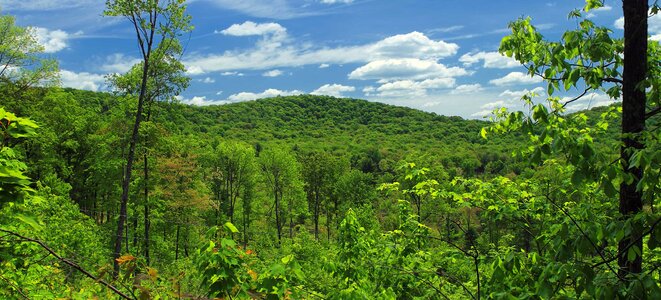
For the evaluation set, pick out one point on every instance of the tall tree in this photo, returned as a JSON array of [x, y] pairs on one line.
[[281, 173], [234, 167], [155, 23], [633, 123], [318, 174], [588, 58], [166, 79]]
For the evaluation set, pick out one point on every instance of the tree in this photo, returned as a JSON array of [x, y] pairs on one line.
[[588, 58], [281, 174], [234, 168], [166, 79], [21, 66], [168, 20], [318, 176]]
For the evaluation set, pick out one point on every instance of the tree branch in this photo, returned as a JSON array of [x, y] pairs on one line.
[[68, 262]]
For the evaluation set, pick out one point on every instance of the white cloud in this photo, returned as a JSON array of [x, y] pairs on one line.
[[228, 73], [83, 80], [405, 68], [119, 63], [516, 95], [511, 100], [207, 80], [467, 89], [334, 90], [269, 93], [589, 101], [269, 54], [194, 70], [52, 40], [336, 1], [272, 73], [491, 60], [273, 34], [251, 28], [515, 78], [653, 25], [201, 101], [323, 66], [447, 29], [410, 88]]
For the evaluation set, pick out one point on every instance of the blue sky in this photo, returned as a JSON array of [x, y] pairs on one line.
[[433, 55]]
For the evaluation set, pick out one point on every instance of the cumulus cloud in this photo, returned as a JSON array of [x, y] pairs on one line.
[[201, 101], [252, 28], [334, 90], [269, 93], [272, 73], [273, 34], [653, 25], [589, 101], [120, 63], [411, 88], [515, 78], [404, 68], [323, 66], [290, 54], [232, 74], [83, 80], [207, 80], [516, 95], [52, 40], [510, 99], [490, 59], [467, 89]]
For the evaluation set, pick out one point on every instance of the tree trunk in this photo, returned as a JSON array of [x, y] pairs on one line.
[[176, 244], [134, 139], [147, 222], [277, 216], [316, 215], [633, 122]]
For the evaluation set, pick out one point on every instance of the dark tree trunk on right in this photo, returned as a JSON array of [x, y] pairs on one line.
[[633, 122]]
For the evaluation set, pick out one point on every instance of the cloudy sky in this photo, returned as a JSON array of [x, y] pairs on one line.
[[433, 55]]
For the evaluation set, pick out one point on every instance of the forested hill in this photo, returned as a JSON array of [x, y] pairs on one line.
[[357, 129]]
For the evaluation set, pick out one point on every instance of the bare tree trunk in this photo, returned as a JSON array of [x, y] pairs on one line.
[[176, 245], [633, 122], [146, 47], [146, 206]]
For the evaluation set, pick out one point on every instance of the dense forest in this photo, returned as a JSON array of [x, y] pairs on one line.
[[131, 194]]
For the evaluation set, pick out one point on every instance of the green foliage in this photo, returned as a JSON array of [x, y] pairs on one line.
[[14, 184]]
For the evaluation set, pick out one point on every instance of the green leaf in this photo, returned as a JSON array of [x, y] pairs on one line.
[[29, 220], [231, 227]]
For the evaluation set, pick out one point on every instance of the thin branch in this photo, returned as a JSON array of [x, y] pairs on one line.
[[577, 97], [596, 248], [68, 262], [653, 112], [630, 244], [15, 287]]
